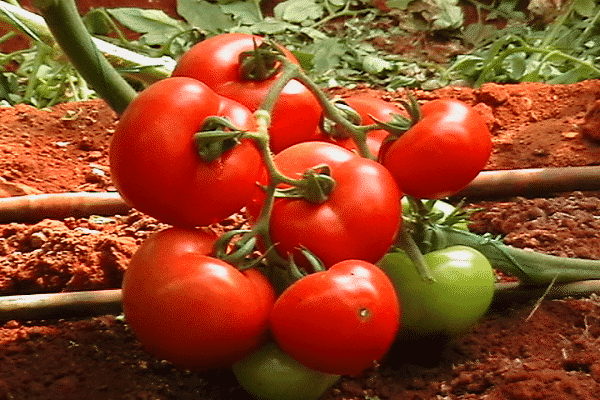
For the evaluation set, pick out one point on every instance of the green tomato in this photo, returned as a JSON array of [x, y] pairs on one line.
[[459, 297], [439, 207], [271, 374]]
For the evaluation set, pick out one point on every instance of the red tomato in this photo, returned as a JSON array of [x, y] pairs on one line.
[[441, 153], [367, 107], [358, 221], [154, 162], [215, 61], [193, 310], [338, 321]]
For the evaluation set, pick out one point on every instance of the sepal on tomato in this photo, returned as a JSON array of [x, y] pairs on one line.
[[261, 63]]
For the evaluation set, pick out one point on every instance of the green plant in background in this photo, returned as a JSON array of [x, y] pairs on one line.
[[339, 42], [565, 51]]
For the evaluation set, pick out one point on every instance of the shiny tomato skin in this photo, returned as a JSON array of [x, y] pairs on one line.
[[367, 107], [270, 374], [338, 321], [193, 310], [450, 306], [295, 116], [215, 61], [358, 221], [154, 163], [441, 153]]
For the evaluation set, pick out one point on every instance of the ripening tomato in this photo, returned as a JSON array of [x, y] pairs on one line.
[[369, 108], [155, 164], [216, 62], [338, 321], [193, 310], [442, 153], [359, 220]]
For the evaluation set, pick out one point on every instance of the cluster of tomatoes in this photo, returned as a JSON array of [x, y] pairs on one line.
[[202, 312]]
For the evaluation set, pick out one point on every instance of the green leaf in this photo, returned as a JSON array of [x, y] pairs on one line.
[[328, 55], [584, 7], [142, 20], [515, 65], [508, 6], [298, 11], [450, 15], [376, 65], [467, 64], [271, 26], [398, 4], [243, 12], [204, 15], [96, 22], [156, 26], [313, 34], [574, 75], [477, 33]]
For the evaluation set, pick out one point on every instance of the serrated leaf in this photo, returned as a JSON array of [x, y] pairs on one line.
[[376, 65], [144, 20], [243, 12], [271, 26], [313, 34], [297, 11], [204, 15], [155, 26], [450, 15], [327, 55]]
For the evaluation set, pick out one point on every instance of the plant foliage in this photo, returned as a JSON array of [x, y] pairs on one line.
[[341, 42]]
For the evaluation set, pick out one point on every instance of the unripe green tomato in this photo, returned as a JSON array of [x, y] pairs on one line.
[[450, 306], [271, 374]]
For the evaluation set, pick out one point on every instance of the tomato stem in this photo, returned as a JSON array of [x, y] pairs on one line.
[[529, 266], [291, 71], [406, 242], [261, 63]]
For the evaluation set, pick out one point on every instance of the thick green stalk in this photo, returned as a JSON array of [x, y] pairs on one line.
[[70, 33], [529, 266]]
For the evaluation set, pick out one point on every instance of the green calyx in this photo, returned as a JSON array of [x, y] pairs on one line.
[[399, 124], [335, 130], [261, 63], [217, 136], [315, 186]]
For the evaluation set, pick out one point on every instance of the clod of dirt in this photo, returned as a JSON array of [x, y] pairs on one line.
[[591, 125]]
